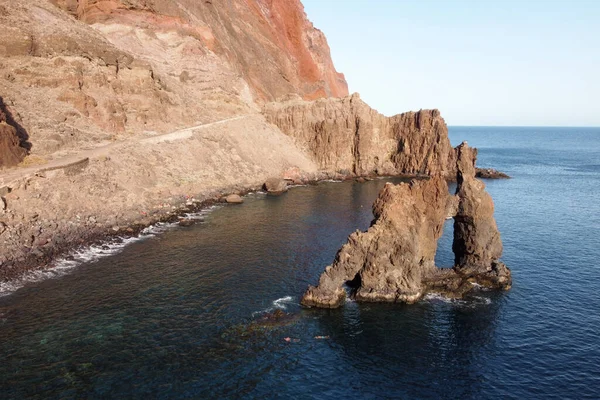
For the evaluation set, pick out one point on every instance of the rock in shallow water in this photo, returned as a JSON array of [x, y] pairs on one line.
[[490, 173], [276, 185], [234, 199]]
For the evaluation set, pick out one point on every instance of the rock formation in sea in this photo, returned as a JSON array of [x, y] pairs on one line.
[[393, 261], [477, 245], [490, 173], [389, 261]]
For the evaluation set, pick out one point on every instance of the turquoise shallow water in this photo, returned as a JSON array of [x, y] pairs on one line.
[[180, 315]]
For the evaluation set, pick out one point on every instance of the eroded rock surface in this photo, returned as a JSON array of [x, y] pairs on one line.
[[347, 135], [393, 261], [390, 261], [11, 152], [477, 245]]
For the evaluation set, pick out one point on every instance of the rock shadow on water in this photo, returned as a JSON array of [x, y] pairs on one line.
[[404, 344]]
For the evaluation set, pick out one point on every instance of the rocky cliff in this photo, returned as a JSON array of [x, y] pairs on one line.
[[393, 260], [82, 72], [347, 135]]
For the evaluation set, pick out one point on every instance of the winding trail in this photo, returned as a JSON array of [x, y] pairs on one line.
[[11, 175]]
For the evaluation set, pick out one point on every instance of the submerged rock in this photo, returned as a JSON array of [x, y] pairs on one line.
[[490, 173], [393, 261], [186, 222]]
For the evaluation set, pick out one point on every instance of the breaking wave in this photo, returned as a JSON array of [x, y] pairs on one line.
[[93, 253], [281, 304]]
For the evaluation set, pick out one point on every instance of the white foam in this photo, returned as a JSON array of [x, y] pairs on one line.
[[471, 301], [281, 304], [92, 254], [437, 297]]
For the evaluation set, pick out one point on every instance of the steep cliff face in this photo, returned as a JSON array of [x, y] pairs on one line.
[[82, 72], [271, 43], [347, 135]]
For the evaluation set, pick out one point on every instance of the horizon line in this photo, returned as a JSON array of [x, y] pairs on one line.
[[523, 126]]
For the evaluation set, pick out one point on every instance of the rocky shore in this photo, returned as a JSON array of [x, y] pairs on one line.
[[58, 236]]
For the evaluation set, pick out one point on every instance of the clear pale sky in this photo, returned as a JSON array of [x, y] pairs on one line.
[[504, 62]]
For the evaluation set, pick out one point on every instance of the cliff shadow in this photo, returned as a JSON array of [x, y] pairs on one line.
[[21, 131]]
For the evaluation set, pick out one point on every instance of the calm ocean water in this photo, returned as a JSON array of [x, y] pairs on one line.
[[180, 315]]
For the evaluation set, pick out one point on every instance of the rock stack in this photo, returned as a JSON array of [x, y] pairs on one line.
[[393, 261]]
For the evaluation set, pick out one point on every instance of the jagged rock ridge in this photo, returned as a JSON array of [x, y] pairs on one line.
[[349, 136], [394, 259]]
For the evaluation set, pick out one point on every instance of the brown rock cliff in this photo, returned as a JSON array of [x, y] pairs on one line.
[[271, 43], [347, 135], [82, 72]]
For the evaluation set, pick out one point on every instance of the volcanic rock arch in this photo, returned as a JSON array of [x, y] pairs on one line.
[[393, 261]]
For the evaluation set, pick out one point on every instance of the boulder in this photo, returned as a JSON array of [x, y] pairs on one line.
[[234, 199], [186, 222], [276, 185]]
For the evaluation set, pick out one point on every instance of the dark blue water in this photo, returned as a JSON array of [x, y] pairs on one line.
[[181, 315]]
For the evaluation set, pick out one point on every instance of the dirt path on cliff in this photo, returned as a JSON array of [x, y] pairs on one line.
[[14, 174]]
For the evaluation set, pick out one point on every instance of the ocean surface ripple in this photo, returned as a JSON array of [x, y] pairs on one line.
[[211, 311]]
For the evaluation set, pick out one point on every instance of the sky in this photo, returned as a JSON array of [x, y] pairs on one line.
[[486, 62]]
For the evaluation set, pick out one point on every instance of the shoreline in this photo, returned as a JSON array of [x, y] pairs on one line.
[[44, 258]]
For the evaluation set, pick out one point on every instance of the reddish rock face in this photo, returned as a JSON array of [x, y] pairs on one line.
[[477, 245], [271, 43]]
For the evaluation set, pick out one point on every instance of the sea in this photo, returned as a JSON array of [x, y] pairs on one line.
[[188, 313]]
